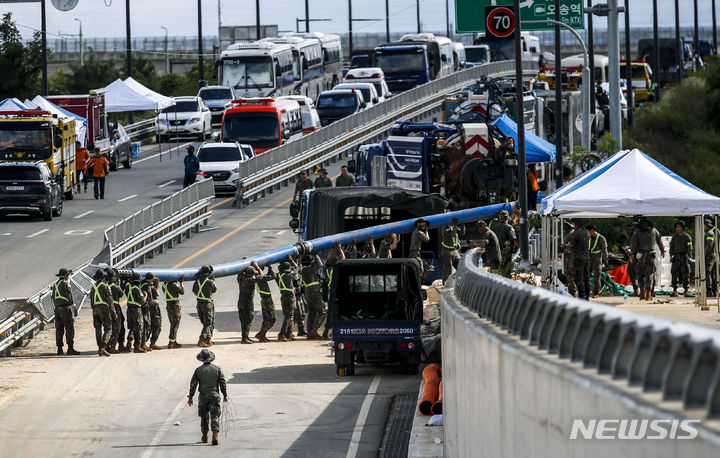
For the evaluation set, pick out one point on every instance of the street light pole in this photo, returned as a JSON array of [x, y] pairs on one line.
[[350, 21], [201, 63], [558, 103], [696, 38], [417, 12], [520, 120], [257, 19], [43, 43], [614, 71], [628, 66], [591, 48], [714, 26], [387, 21], [82, 48], [128, 52], [656, 50], [447, 17], [307, 16], [167, 56]]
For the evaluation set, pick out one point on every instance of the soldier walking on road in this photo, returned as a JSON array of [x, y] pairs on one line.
[[489, 241], [286, 284], [642, 248], [246, 292], [300, 302], [345, 179], [681, 250], [172, 291], [203, 288], [103, 313], [153, 317], [209, 381], [65, 312], [135, 300], [506, 238], [578, 241], [417, 238], [117, 339], [632, 264], [568, 264], [598, 256], [450, 248], [266, 304], [301, 185], [710, 258], [313, 294], [332, 259], [323, 181]]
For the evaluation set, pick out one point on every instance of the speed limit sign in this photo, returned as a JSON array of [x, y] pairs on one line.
[[499, 21]]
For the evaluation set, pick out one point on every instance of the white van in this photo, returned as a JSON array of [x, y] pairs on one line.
[[601, 65], [372, 75], [368, 91]]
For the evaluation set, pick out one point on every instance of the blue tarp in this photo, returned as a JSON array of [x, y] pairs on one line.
[[536, 149]]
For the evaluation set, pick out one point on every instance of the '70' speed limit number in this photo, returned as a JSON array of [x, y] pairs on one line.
[[499, 21]]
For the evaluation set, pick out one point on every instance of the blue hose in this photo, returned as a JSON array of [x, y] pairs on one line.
[[329, 241]]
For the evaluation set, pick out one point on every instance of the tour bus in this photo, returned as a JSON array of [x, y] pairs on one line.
[[332, 55], [414, 60], [257, 69], [263, 123], [504, 49], [307, 64]]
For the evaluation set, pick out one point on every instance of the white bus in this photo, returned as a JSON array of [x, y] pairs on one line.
[[307, 64], [332, 55], [257, 69]]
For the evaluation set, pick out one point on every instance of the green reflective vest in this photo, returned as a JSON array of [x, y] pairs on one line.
[[57, 292], [281, 284], [261, 291], [97, 297], [131, 296], [168, 295], [200, 294]]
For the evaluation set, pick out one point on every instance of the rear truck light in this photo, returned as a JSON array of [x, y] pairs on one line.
[[348, 346], [403, 345], [341, 346]]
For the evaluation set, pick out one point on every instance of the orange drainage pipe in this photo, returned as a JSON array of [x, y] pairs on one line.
[[431, 379], [437, 407]]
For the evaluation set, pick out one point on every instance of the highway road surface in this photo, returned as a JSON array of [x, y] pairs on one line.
[[284, 398]]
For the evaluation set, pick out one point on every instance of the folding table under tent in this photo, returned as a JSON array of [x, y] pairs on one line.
[[626, 184]]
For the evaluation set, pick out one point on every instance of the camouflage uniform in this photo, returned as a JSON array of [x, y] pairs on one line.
[[417, 238], [64, 313], [492, 257], [680, 254], [245, 303], [103, 314], [450, 244], [385, 251], [568, 265], [287, 300], [118, 324], [145, 312], [313, 294], [578, 240], [266, 301], [598, 257], [632, 265], [300, 303], [210, 380], [506, 240], [711, 261], [642, 248], [172, 292], [154, 314], [135, 300], [203, 288]]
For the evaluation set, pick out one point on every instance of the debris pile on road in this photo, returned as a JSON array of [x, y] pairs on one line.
[[430, 327]]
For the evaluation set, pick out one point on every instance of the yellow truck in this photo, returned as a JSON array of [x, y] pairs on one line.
[[37, 135]]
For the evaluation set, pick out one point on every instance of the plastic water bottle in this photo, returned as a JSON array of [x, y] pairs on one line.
[[625, 298]]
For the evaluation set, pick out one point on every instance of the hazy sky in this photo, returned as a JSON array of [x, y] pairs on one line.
[[180, 16]]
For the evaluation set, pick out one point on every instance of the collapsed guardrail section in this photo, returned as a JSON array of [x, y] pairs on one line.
[[536, 362]]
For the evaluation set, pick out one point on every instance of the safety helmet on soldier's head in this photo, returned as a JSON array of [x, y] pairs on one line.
[[64, 272], [99, 274], [149, 276], [251, 271], [135, 277]]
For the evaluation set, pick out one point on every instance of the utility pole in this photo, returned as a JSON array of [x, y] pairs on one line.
[[656, 51], [167, 56], [679, 54], [714, 21], [350, 21], [614, 71], [558, 104], [447, 16], [387, 21], [696, 38], [628, 66], [307, 15], [591, 46], [201, 64], [257, 18], [417, 12], [520, 119], [128, 51], [43, 43], [82, 48]]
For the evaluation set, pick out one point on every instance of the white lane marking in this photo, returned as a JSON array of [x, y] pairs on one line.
[[79, 232], [37, 233], [362, 416], [7, 233], [280, 232], [163, 429], [164, 152], [84, 214], [165, 184], [127, 198], [264, 231]]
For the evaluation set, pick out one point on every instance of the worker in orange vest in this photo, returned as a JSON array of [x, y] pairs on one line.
[[532, 187], [98, 167], [81, 157]]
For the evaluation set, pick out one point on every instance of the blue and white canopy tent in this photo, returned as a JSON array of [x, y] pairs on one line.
[[537, 150], [12, 104], [628, 183]]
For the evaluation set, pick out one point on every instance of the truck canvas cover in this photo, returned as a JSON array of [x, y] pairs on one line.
[[328, 205]]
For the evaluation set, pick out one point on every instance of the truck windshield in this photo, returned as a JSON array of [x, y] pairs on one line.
[[398, 62], [476, 55], [261, 130], [247, 72], [37, 140], [338, 100]]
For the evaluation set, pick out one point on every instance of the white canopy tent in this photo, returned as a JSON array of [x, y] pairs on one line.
[[12, 104], [162, 101], [120, 96], [629, 183]]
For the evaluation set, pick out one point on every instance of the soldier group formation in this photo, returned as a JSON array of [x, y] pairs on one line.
[[586, 252]]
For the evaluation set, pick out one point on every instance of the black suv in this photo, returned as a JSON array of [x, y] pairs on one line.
[[30, 188], [337, 104]]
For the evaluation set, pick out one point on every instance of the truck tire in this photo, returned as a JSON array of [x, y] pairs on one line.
[[47, 214], [127, 163], [58, 209]]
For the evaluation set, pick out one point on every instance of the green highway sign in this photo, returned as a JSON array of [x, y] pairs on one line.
[[470, 14]]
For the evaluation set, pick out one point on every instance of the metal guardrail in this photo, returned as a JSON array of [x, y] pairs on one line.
[[680, 361], [128, 242], [277, 166], [140, 127]]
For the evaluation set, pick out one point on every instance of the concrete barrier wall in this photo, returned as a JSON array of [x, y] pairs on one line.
[[505, 398]]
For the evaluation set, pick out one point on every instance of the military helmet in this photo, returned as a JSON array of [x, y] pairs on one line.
[[251, 271], [99, 274], [135, 277], [149, 276], [109, 274], [205, 270], [504, 214], [64, 272], [679, 223]]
